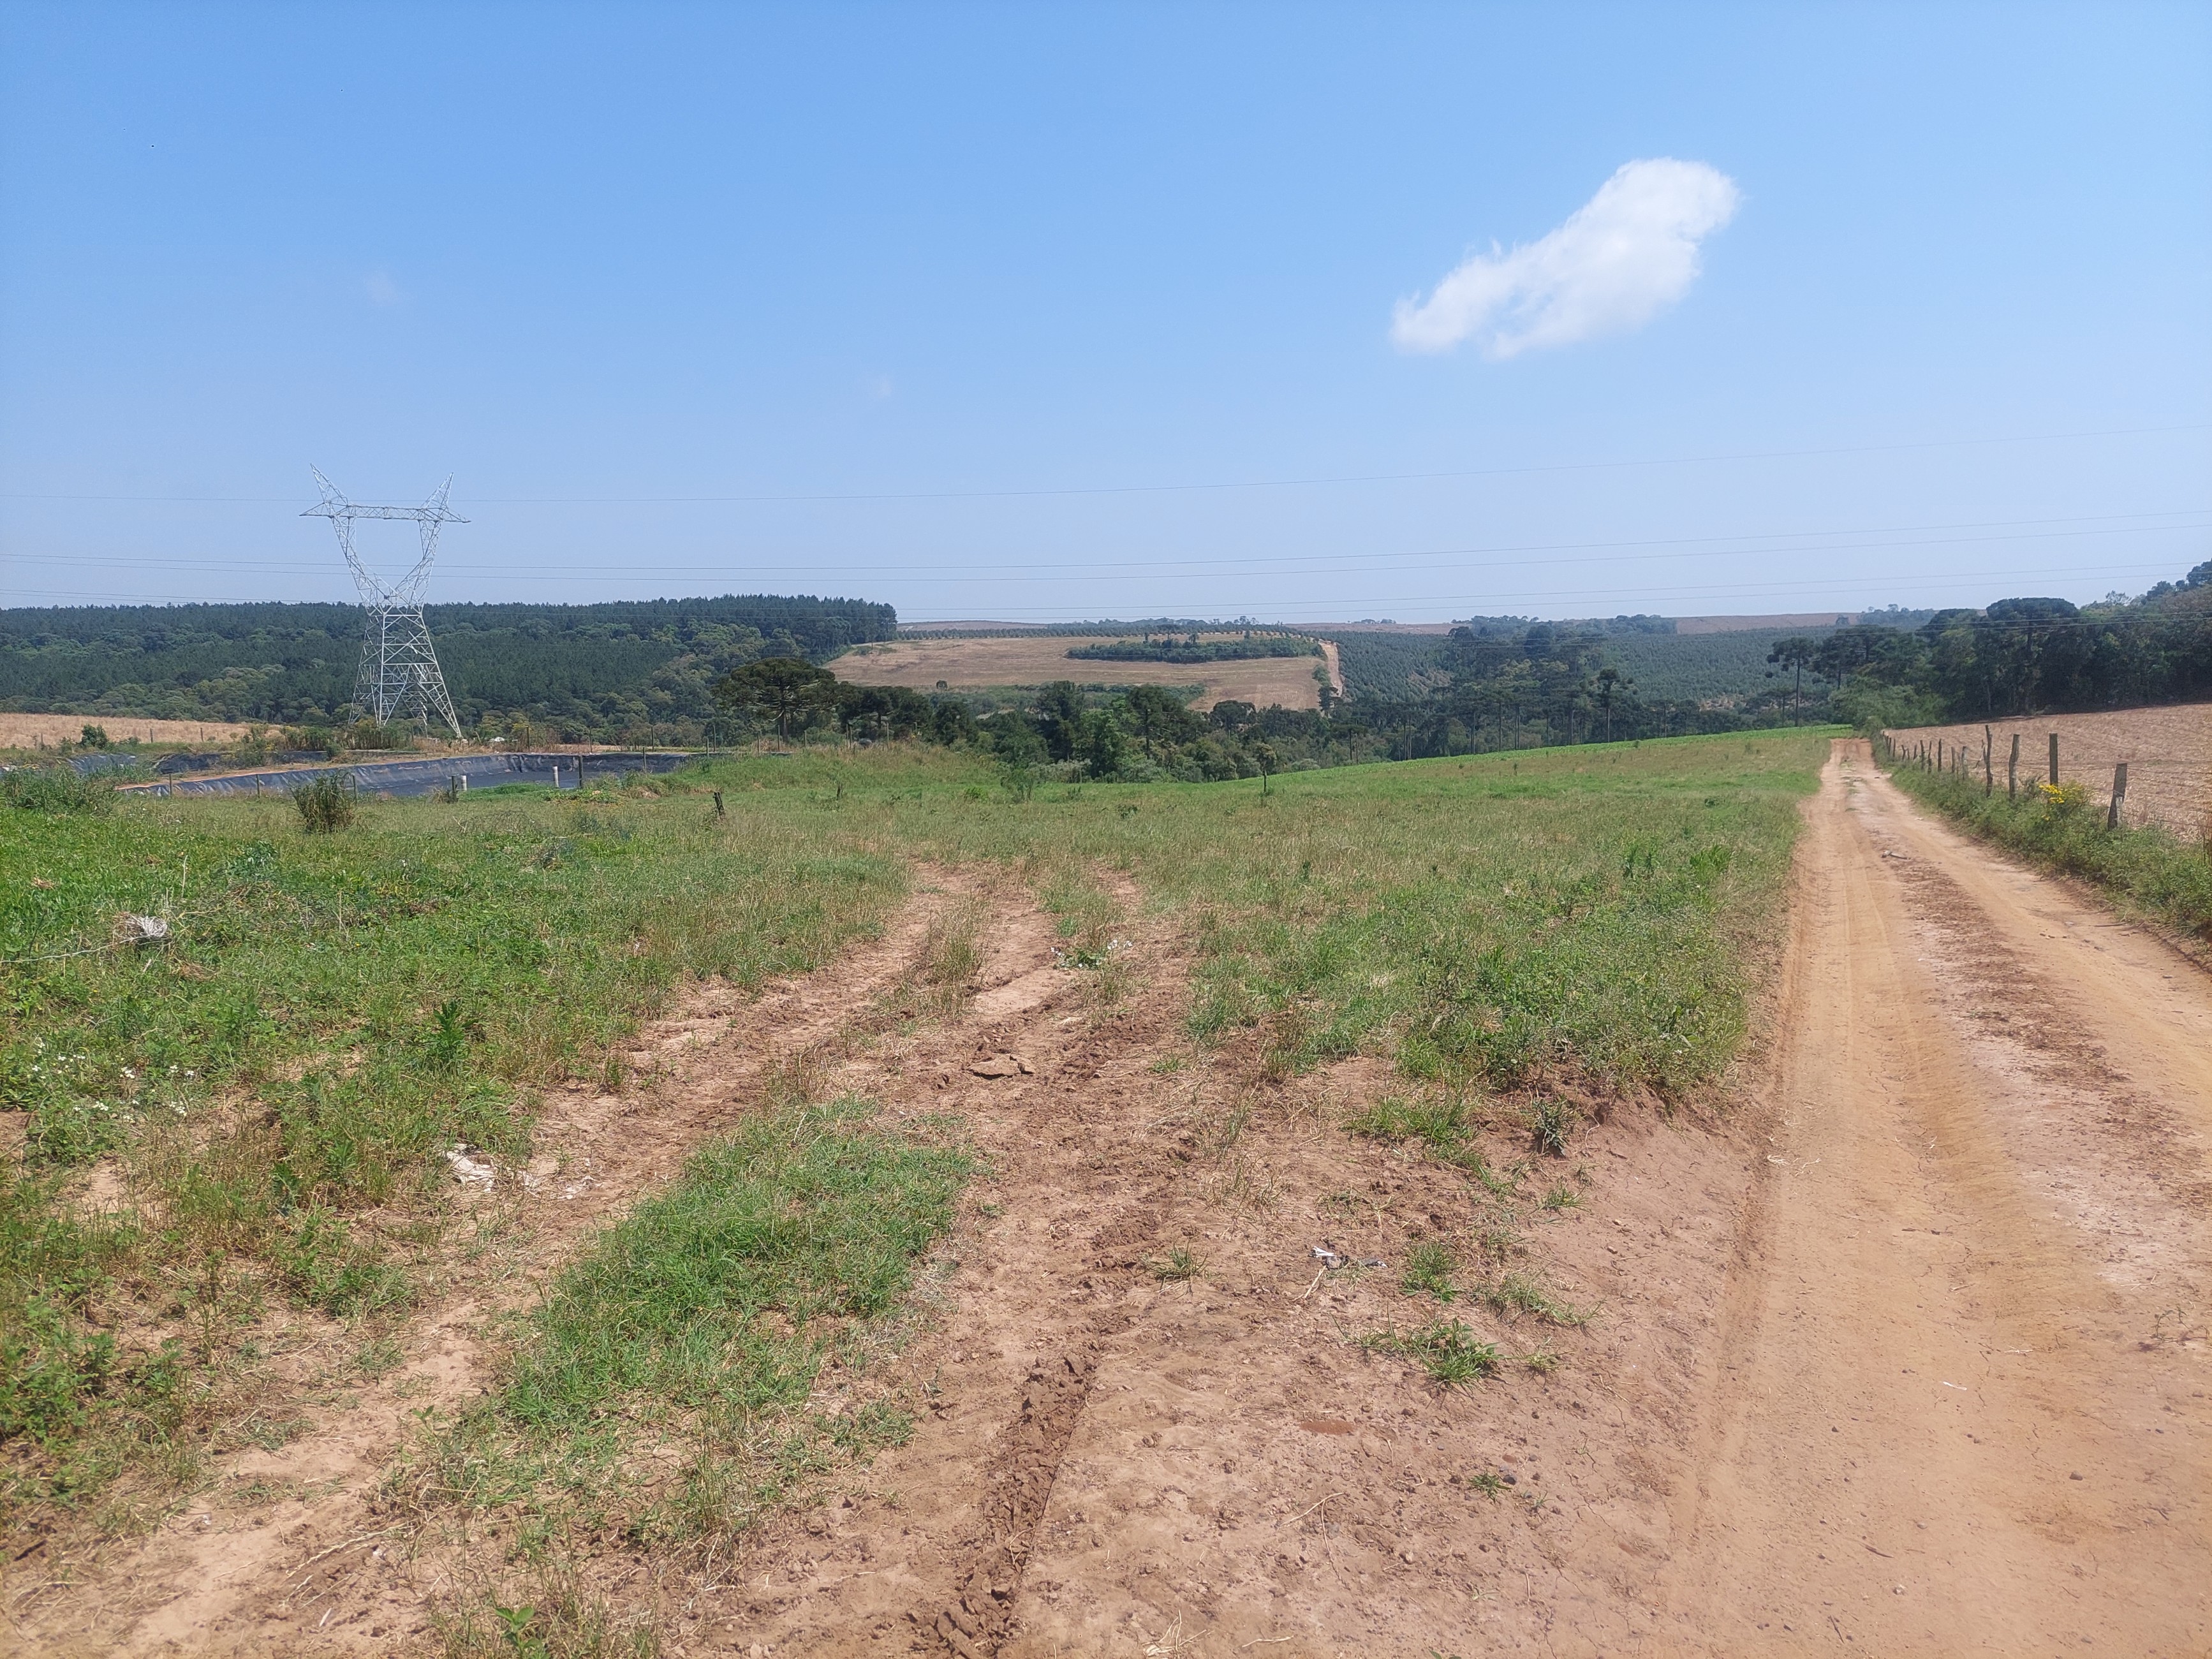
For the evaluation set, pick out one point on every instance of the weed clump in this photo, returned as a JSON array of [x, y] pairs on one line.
[[1517, 1293], [1177, 1266], [1550, 1122], [325, 803], [1446, 1349], [1429, 1267], [55, 789]]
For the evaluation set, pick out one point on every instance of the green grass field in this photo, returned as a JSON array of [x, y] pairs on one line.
[[246, 1122]]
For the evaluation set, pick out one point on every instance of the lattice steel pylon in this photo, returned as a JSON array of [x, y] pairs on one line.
[[398, 666]]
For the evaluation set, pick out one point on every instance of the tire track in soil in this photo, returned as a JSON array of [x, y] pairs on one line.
[[1108, 1462], [233, 1576], [1053, 1396], [1035, 1321]]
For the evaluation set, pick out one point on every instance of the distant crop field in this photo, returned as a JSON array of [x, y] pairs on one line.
[[51, 730], [2168, 752], [1038, 660]]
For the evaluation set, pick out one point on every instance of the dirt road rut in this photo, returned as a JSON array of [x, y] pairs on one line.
[[1961, 1387]]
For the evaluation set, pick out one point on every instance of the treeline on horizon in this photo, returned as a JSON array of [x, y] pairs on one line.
[[646, 671], [635, 670], [2019, 656], [1508, 682]]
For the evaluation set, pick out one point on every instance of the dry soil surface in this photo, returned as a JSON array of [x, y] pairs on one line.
[[2168, 752], [976, 664], [1961, 1404], [50, 731]]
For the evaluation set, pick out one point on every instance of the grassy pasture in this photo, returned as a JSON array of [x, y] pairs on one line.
[[1485, 921], [265, 1099], [246, 1125]]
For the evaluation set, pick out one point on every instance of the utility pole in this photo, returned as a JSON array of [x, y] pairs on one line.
[[398, 668]]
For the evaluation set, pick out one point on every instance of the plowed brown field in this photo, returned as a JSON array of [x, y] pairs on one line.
[[2168, 752], [980, 664]]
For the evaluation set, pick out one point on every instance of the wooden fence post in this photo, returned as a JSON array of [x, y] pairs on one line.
[[1988, 763], [2119, 794], [2054, 760], [2012, 770]]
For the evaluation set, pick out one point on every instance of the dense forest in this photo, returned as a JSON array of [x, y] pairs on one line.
[[631, 671], [2015, 657], [650, 672]]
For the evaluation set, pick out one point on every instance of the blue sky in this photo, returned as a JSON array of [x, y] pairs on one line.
[[1058, 312]]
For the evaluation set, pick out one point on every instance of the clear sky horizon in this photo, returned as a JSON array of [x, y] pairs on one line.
[[1053, 312]]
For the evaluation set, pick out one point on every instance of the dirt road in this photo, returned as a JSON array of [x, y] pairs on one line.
[[1908, 1356], [1961, 1395]]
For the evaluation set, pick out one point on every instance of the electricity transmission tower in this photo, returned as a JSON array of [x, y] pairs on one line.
[[398, 669]]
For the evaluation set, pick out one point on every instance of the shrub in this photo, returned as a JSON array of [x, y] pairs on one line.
[[326, 803], [55, 789], [2062, 799]]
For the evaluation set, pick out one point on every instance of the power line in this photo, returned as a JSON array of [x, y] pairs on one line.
[[764, 498], [1199, 568], [1703, 593]]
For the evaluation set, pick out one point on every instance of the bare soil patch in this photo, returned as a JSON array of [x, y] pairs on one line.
[[1112, 1457], [982, 664], [2168, 751]]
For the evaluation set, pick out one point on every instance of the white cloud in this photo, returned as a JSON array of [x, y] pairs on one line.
[[1624, 255]]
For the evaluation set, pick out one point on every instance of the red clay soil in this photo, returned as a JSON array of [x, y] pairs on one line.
[[1908, 1356]]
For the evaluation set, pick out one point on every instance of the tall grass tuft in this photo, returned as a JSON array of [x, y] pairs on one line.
[[326, 803], [56, 789]]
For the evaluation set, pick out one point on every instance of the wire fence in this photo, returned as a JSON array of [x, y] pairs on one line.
[[2147, 767]]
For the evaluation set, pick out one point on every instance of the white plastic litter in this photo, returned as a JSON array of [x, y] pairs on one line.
[[470, 1171]]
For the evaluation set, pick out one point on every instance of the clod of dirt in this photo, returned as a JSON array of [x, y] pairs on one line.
[[1003, 1066], [1052, 1400]]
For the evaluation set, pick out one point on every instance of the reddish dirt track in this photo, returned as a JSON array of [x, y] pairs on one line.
[[1962, 1404]]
